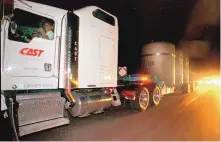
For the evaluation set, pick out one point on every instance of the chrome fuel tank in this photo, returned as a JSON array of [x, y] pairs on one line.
[[90, 102]]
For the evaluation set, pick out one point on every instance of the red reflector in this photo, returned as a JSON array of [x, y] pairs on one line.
[[108, 91], [129, 94]]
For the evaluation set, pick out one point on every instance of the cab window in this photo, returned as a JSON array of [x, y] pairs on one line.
[[25, 26], [104, 17]]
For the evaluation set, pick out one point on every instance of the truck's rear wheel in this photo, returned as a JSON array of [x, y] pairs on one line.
[[155, 95], [141, 101]]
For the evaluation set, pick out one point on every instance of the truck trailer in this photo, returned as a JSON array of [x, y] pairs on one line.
[[159, 62], [167, 67], [56, 63]]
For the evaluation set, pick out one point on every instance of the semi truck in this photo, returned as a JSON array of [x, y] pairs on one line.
[[73, 70], [56, 63]]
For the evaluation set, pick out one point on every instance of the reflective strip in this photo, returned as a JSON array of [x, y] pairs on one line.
[[157, 54], [3, 104]]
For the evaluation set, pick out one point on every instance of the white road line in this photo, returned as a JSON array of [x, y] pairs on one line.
[[192, 100]]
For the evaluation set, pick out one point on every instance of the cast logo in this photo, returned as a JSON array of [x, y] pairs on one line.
[[31, 52]]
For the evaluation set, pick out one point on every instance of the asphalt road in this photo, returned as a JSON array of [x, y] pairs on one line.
[[193, 116]]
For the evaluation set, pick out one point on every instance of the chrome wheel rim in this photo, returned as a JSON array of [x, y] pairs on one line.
[[156, 96], [144, 99]]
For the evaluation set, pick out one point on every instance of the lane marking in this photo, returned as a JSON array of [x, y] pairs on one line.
[[192, 100]]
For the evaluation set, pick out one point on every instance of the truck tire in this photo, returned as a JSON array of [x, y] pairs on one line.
[[141, 101], [155, 95]]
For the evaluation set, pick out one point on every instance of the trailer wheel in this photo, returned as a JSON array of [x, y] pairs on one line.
[[141, 101], [155, 95]]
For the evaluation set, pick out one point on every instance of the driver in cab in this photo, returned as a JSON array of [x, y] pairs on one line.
[[46, 32]]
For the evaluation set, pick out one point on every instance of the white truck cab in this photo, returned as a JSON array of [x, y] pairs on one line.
[[33, 62], [51, 58]]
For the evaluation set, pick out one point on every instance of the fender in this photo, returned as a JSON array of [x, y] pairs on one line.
[[31, 52]]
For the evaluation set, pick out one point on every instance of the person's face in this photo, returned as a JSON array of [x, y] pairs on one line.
[[48, 27]]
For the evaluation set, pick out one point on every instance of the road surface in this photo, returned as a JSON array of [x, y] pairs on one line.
[[194, 116]]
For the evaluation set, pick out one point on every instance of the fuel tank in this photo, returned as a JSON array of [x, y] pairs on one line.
[[90, 102]]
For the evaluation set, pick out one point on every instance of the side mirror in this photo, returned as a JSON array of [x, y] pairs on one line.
[[13, 27], [6, 7]]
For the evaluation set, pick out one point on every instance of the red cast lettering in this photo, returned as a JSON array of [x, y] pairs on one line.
[[31, 52]]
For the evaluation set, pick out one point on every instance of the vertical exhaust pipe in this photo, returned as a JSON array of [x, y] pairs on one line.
[[68, 89], [71, 66]]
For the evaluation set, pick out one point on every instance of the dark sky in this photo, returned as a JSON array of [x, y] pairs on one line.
[[141, 21]]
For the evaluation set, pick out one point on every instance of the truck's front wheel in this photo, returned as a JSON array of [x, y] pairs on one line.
[[141, 101]]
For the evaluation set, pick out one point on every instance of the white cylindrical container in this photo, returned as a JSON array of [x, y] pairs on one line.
[[158, 60], [186, 82], [178, 70], [186, 70]]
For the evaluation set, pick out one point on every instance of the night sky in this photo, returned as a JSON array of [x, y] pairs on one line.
[[143, 21]]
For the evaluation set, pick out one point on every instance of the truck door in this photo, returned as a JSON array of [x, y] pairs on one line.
[[26, 51]]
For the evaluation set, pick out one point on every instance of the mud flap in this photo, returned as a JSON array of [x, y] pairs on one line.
[[6, 128]]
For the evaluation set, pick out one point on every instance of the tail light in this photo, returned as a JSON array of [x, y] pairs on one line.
[[144, 78], [128, 94]]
